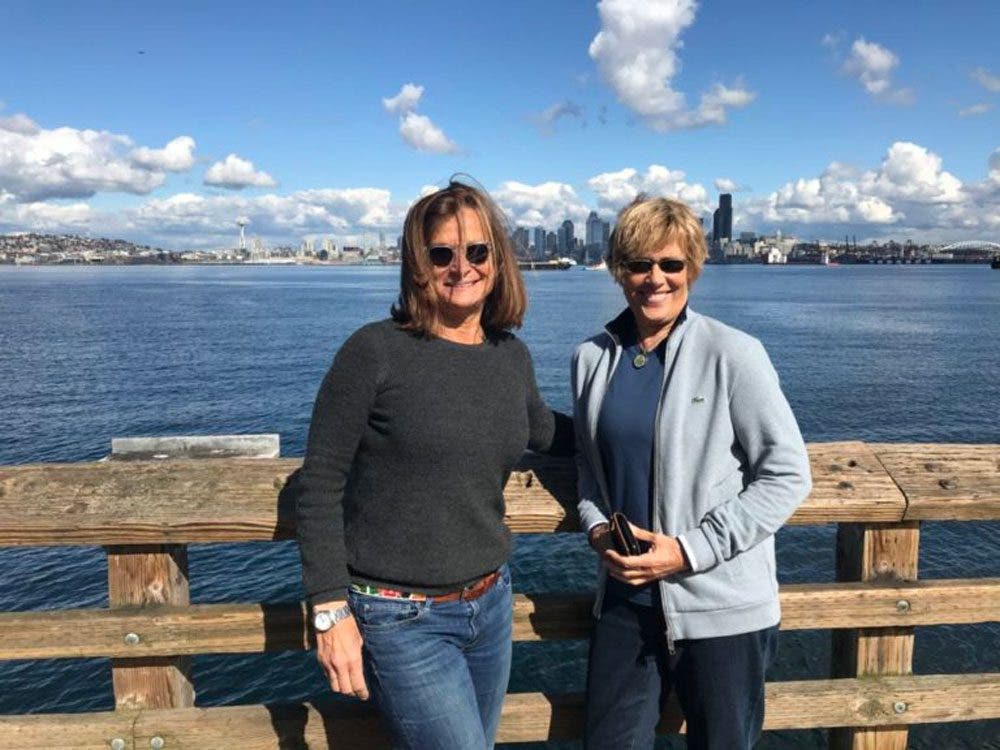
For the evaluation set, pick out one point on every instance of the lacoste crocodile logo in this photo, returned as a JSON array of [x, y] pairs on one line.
[[698, 400]]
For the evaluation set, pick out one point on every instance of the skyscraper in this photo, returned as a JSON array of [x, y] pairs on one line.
[[725, 221], [566, 241], [519, 238], [539, 236]]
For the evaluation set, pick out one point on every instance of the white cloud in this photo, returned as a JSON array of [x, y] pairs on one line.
[[418, 130], [424, 135], [636, 52], [615, 189], [546, 204], [39, 216], [909, 194], [176, 156], [986, 79], [235, 173], [189, 221], [913, 173], [38, 163], [873, 65], [405, 101], [19, 123], [725, 185], [994, 165], [976, 109], [876, 211], [547, 119]]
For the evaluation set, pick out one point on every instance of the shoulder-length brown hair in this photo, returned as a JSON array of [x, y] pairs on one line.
[[417, 306]]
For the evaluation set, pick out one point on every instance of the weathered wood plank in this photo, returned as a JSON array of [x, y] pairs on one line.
[[945, 482], [253, 628], [886, 553], [92, 731], [146, 577], [527, 717], [174, 502]]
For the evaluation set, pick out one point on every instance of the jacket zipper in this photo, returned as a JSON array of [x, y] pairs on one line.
[[656, 452]]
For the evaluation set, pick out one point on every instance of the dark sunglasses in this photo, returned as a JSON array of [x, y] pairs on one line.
[[645, 265], [442, 255]]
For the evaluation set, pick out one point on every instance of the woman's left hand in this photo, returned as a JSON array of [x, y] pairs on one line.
[[663, 558]]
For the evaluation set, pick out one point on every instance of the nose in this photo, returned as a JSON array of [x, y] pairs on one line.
[[459, 263]]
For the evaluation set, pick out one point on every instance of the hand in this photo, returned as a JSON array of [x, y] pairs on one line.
[[338, 651], [663, 558], [600, 538]]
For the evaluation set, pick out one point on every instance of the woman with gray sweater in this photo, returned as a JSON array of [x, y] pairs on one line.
[[683, 429], [416, 429]]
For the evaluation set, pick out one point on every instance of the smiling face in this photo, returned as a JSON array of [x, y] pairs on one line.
[[657, 298], [461, 287]]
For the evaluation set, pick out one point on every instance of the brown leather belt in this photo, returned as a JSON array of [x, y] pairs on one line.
[[470, 592]]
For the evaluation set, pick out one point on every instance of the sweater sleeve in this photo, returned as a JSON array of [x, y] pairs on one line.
[[339, 417], [589, 504], [776, 455], [550, 431]]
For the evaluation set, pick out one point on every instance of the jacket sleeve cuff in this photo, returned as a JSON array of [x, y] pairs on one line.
[[590, 515], [699, 551], [591, 526]]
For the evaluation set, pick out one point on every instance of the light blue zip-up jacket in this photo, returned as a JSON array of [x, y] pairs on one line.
[[729, 468]]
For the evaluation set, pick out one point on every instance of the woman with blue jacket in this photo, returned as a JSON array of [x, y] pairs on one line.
[[682, 427]]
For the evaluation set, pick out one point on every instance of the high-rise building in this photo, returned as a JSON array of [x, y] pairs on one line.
[[598, 232], [519, 238], [566, 241], [539, 235], [593, 228], [725, 220], [551, 244]]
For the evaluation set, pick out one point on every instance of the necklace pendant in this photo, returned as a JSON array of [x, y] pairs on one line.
[[639, 360]]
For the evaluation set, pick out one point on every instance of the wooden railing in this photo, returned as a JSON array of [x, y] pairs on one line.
[[145, 512]]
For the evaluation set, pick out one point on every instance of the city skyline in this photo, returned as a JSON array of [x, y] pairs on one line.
[[165, 128]]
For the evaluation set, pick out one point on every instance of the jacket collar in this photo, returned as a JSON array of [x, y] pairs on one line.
[[623, 328]]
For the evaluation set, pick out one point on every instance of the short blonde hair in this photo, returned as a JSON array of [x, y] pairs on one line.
[[416, 308], [647, 224]]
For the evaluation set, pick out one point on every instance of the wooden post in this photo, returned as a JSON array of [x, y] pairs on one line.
[[149, 576], [156, 575], [884, 552]]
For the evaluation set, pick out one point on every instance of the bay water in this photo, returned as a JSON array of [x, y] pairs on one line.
[[875, 353]]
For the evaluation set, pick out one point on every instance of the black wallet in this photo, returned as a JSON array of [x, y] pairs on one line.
[[622, 537]]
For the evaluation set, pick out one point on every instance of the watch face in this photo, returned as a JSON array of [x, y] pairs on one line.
[[322, 621]]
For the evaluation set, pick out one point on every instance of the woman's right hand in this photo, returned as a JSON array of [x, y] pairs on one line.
[[339, 653]]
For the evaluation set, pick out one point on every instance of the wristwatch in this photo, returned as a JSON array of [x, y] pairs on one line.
[[324, 619]]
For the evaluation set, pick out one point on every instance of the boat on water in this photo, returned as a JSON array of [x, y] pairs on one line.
[[602, 266], [558, 264], [995, 263]]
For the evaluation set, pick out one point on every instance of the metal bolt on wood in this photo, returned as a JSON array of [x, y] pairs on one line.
[[899, 707], [156, 743], [902, 606], [117, 744], [132, 639]]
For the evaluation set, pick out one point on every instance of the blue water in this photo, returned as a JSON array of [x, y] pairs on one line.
[[87, 354]]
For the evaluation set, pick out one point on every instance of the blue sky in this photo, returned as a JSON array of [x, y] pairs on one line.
[[278, 113]]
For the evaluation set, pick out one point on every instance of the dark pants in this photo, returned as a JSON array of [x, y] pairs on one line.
[[719, 682]]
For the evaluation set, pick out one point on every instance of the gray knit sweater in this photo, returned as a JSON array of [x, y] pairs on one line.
[[411, 442]]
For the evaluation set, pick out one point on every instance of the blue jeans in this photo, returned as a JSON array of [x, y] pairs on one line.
[[719, 681], [438, 671]]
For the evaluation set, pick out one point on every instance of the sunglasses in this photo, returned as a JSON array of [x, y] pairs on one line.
[[645, 265], [442, 255]]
